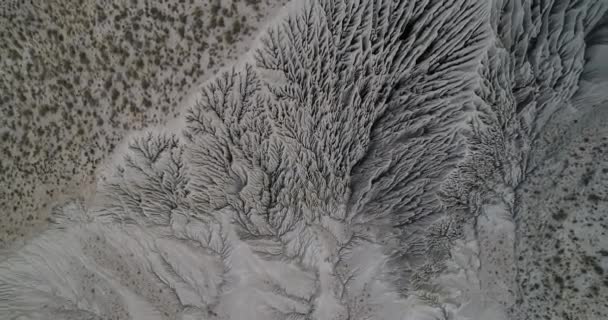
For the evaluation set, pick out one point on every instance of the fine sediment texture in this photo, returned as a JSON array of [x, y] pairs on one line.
[[368, 160], [79, 75]]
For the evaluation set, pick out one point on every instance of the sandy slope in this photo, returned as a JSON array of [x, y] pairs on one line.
[[530, 246], [77, 76]]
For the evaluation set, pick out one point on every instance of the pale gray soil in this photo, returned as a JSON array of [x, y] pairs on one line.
[[77, 75], [563, 226], [367, 159]]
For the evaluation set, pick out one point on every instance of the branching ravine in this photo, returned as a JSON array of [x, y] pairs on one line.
[[365, 162]]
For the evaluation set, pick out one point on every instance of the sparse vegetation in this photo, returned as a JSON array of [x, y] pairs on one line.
[[86, 59], [371, 156]]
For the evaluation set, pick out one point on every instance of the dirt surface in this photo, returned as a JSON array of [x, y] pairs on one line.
[[78, 75]]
